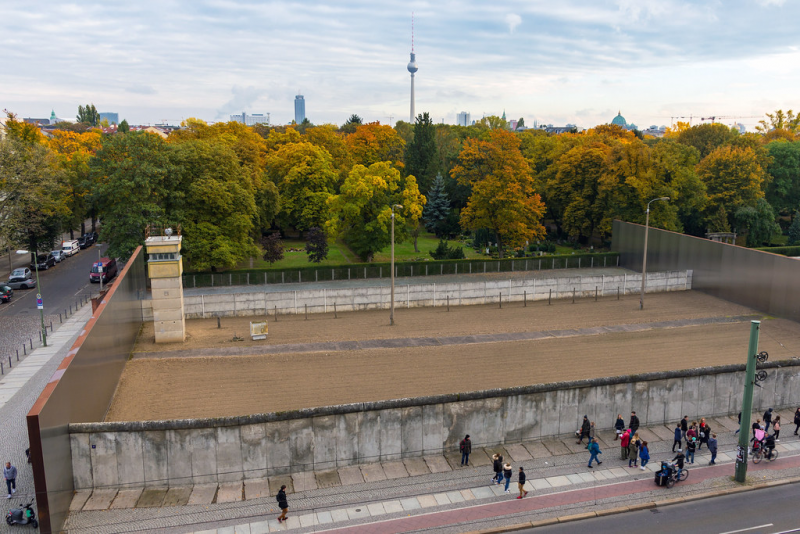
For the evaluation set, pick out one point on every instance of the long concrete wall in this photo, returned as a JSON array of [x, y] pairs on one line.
[[433, 294], [157, 453]]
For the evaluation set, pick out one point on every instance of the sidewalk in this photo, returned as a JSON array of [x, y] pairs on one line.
[[429, 492]]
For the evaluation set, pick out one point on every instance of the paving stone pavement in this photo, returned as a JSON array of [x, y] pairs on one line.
[[19, 389], [365, 501]]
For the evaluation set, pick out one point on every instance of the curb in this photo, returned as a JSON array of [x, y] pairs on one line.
[[635, 507]]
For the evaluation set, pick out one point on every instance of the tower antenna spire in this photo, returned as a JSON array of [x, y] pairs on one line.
[[412, 31]]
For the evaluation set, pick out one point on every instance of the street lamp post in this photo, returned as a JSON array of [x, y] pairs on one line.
[[644, 258], [39, 293], [100, 262], [391, 304]]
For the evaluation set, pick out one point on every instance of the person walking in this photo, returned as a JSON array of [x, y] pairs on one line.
[[10, 474], [634, 425], [521, 483], [466, 450], [624, 442], [594, 450], [691, 446], [584, 431], [767, 419], [704, 432], [507, 475], [633, 451], [592, 431], [692, 432], [712, 448], [644, 455], [756, 426], [740, 424], [684, 426], [776, 425], [619, 426], [796, 421], [676, 440], [282, 504], [497, 464]]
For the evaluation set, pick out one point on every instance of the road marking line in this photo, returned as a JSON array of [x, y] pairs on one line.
[[788, 531], [746, 529]]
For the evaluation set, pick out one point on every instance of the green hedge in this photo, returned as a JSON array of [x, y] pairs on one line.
[[785, 251], [363, 271]]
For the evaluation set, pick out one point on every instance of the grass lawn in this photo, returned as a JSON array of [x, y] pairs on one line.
[[338, 254], [426, 243]]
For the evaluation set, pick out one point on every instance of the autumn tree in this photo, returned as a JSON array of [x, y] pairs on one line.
[[326, 136], [707, 137], [420, 154], [361, 212], [732, 177], [88, 115], [316, 244], [779, 121], [503, 197], [718, 221], [372, 143]]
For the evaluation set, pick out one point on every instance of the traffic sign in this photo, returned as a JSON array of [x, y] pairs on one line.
[[39, 303]]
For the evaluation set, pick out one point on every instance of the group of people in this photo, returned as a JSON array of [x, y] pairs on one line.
[[503, 472]]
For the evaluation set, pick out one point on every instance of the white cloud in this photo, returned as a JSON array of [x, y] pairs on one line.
[[513, 20], [767, 3]]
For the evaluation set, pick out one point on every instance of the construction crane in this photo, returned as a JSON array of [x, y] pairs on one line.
[[672, 119], [714, 118], [390, 117]]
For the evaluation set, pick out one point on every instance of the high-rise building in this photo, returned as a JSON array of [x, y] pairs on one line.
[[112, 118], [463, 119], [251, 120], [299, 109]]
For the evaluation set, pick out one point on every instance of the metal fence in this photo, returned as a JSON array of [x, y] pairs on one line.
[[404, 269]]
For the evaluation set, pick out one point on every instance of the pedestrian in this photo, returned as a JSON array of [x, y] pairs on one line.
[[592, 430], [690, 448], [692, 432], [594, 450], [756, 426], [679, 459], [497, 465], [466, 450], [712, 447], [767, 419], [796, 421], [619, 426], [776, 425], [584, 431], [507, 475], [633, 451], [644, 454], [521, 483], [740, 423], [704, 432], [684, 425], [10, 474], [282, 504], [677, 438], [634, 426], [624, 442]]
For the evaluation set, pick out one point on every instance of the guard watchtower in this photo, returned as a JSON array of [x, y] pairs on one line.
[[164, 268]]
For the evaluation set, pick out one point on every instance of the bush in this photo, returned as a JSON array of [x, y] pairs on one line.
[[785, 251], [444, 252]]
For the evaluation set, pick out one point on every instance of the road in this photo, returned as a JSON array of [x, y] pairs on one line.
[[60, 287], [766, 511]]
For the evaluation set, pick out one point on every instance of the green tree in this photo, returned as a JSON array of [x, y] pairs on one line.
[[732, 177], [794, 230], [437, 207], [758, 222], [351, 124], [133, 176], [123, 126], [520, 124], [88, 115], [503, 197], [783, 191], [718, 222], [316, 245], [420, 156], [444, 252], [707, 137], [779, 121], [361, 212]]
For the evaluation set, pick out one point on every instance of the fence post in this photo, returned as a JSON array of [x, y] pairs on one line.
[[335, 315], [295, 302], [17, 354], [219, 325], [501, 300], [408, 296], [617, 261], [380, 272], [59, 318], [573, 295], [276, 313], [617, 292], [550, 296], [248, 279], [579, 263], [299, 276], [306, 305], [595, 293], [484, 267], [230, 279], [316, 276], [31, 341], [265, 277], [604, 261], [524, 299], [434, 294], [325, 298], [24, 350], [592, 265], [448, 302], [441, 268]]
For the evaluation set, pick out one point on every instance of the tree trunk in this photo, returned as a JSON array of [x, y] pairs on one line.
[[71, 233], [83, 227]]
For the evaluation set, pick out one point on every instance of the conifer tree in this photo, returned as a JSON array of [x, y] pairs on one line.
[[438, 206]]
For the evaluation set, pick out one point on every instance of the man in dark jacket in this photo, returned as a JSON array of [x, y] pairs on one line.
[[282, 504], [466, 450], [712, 448], [679, 459], [676, 440], [521, 484], [585, 427], [796, 421], [684, 426], [634, 423], [767, 420]]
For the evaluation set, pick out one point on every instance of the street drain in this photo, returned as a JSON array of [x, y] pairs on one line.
[[358, 509]]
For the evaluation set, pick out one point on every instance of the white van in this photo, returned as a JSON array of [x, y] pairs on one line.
[[70, 248]]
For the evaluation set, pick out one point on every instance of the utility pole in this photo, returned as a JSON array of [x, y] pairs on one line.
[[747, 403], [391, 303]]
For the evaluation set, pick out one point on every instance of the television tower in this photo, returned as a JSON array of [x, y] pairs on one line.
[[412, 68]]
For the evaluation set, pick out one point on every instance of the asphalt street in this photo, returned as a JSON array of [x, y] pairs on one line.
[[766, 511]]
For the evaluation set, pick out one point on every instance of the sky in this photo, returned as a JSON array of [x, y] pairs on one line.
[[556, 62]]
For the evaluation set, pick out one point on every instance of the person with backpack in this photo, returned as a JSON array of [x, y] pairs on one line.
[[678, 437], [466, 450], [624, 442], [644, 454], [796, 421], [712, 448], [497, 465], [776, 425], [619, 427], [584, 431], [521, 483], [633, 451], [594, 450], [282, 504]]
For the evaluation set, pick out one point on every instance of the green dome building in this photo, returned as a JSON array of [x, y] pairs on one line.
[[619, 120]]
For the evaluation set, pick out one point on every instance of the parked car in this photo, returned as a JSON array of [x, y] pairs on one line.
[[21, 279], [43, 262], [70, 248], [105, 268], [5, 293], [84, 242], [58, 255]]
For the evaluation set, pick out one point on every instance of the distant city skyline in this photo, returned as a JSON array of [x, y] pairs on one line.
[[572, 62], [299, 109]]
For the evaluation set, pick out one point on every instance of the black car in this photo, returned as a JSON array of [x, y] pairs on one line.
[[84, 242], [44, 262], [5, 293]]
